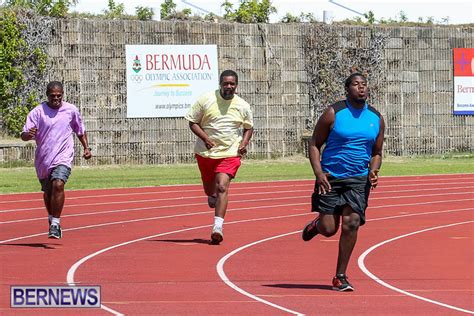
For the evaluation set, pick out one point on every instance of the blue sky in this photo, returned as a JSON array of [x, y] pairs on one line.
[[458, 11]]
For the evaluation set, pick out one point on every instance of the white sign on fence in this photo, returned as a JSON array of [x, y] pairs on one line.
[[165, 80]]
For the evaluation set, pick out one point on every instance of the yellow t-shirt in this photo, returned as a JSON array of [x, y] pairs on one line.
[[223, 121]]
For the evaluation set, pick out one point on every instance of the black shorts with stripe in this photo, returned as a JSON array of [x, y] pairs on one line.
[[349, 191]]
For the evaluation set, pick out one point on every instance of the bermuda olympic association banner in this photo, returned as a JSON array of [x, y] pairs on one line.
[[463, 80], [165, 80]]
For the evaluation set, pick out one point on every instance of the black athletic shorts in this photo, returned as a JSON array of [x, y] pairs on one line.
[[349, 191]]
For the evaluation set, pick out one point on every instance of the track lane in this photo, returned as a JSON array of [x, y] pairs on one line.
[[131, 230]]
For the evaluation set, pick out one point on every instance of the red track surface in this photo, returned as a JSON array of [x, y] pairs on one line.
[[149, 251]]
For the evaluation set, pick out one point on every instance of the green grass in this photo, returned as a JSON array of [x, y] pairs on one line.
[[24, 179]]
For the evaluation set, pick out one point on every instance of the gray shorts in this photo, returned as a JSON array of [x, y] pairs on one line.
[[60, 172], [350, 191]]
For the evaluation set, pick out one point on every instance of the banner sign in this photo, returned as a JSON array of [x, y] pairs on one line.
[[165, 80], [463, 81]]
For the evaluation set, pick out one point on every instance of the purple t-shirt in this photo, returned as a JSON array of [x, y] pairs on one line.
[[54, 137]]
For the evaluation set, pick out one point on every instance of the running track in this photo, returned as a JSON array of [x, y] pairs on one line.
[[148, 250]]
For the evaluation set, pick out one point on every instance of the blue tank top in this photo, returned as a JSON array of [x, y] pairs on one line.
[[348, 148]]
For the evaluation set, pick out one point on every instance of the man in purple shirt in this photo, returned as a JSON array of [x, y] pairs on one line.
[[51, 124]]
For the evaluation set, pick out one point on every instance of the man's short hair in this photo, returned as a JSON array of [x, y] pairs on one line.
[[52, 85], [351, 77], [228, 73]]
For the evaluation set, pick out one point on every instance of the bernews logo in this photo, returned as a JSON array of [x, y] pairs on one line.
[[55, 296]]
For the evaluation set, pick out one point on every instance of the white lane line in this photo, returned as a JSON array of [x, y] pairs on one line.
[[220, 264], [129, 201], [200, 190], [451, 177], [126, 210], [152, 218], [110, 310], [384, 184], [184, 186], [76, 265], [238, 201], [442, 175], [223, 276], [240, 209], [364, 269], [179, 215]]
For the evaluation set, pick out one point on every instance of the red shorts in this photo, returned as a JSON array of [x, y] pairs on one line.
[[209, 167]]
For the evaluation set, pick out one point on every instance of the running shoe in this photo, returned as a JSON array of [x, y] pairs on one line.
[[55, 232], [211, 201], [340, 283], [217, 235], [310, 230]]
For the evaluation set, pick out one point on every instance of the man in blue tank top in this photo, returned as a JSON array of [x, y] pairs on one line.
[[352, 133]]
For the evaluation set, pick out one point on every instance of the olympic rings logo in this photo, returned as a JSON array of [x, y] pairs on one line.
[[136, 78]]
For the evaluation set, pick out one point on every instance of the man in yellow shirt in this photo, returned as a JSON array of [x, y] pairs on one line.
[[224, 125]]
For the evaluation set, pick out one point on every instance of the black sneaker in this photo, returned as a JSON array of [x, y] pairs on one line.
[[211, 201], [340, 283], [310, 230], [55, 232]]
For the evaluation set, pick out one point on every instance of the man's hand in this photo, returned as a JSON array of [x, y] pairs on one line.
[[87, 153], [242, 149], [323, 184], [209, 143], [374, 178], [31, 133]]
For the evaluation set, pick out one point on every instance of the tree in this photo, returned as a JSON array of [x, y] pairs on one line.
[[144, 13], [308, 17], [289, 18], [403, 16], [249, 11], [370, 16], [22, 67], [211, 17], [445, 20], [229, 11], [54, 8], [303, 17], [115, 10], [167, 8]]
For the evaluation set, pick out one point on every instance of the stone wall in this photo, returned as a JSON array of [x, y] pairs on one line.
[[418, 102], [416, 96]]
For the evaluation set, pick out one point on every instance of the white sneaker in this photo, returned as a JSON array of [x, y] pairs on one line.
[[217, 235]]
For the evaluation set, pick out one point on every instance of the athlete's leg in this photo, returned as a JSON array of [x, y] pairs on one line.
[[47, 202], [347, 241], [225, 172], [222, 184], [209, 187], [328, 224], [208, 177], [46, 188], [57, 197]]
